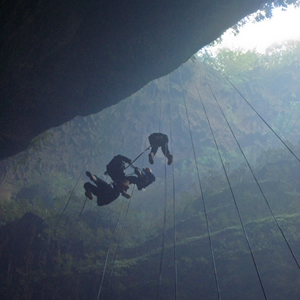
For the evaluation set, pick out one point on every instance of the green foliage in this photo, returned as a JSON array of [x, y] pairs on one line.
[[239, 63], [76, 250], [234, 62]]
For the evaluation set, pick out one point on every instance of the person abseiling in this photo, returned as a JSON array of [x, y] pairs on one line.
[[115, 168], [105, 192], [144, 178], [157, 140]]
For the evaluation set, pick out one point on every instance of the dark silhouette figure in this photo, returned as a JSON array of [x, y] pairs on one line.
[[105, 192], [157, 140], [115, 168], [144, 178]]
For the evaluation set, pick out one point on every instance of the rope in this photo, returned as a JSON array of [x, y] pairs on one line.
[[114, 231], [108, 250], [233, 197], [159, 121], [55, 226], [252, 172], [173, 192], [131, 164], [47, 243], [164, 234], [82, 209], [67, 250], [54, 295], [114, 259], [201, 190], [164, 216], [262, 119]]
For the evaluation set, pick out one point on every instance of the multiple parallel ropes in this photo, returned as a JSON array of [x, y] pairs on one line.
[[251, 169], [124, 221], [201, 192], [114, 230], [233, 196], [94, 143], [82, 209], [252, 172], [174, 202], [203, 200]]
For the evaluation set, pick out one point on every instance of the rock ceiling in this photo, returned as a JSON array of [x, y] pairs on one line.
[[61, 59]]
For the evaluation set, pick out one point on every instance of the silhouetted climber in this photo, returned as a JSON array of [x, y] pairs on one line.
[[159, 140], [105, 192], [144, 178], [115, 168]]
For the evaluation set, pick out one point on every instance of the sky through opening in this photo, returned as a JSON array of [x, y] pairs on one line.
[[258, 36]]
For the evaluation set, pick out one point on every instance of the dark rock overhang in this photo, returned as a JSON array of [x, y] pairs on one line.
[[61, 59]]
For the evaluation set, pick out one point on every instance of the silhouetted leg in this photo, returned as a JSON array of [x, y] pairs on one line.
[[154, 149], [167, 153], [152, 153], [90, 187], [165, 150]]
